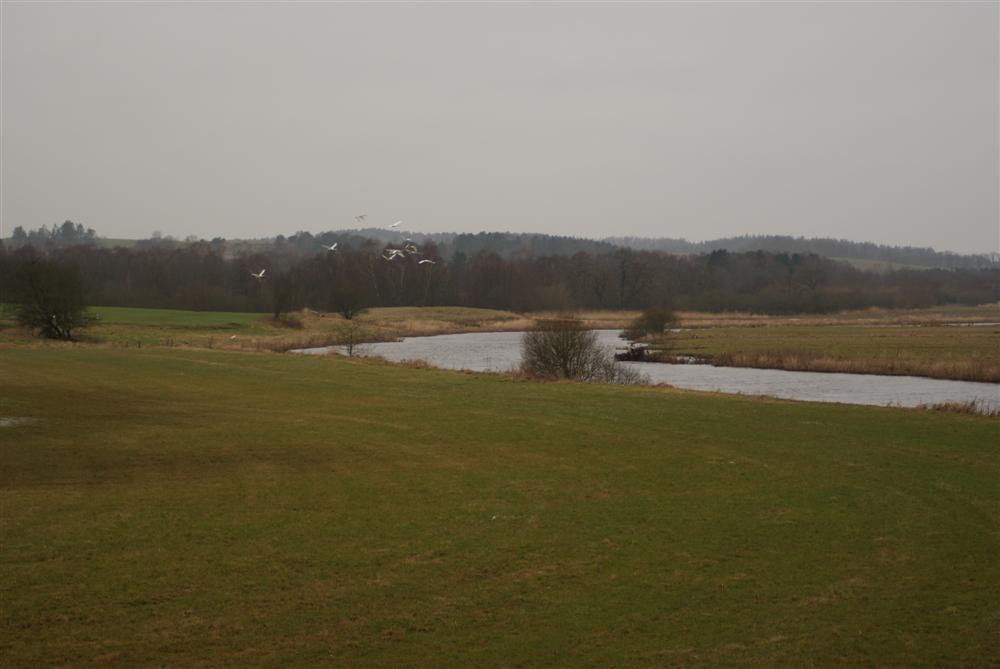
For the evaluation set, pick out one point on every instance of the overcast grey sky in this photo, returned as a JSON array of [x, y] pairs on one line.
[[867, 121]]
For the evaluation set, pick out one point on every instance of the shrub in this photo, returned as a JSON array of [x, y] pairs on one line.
[[653, 321], [563, 349]]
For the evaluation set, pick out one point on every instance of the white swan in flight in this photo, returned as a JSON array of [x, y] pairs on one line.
[[259, 275]]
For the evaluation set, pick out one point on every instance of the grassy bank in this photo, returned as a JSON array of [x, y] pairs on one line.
[[936, 351], [176, 507], [940, 343], [133, 328], [956, 342]]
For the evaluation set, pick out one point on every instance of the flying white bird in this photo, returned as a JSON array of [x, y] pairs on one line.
[[258, 276], [425, 261], [412, 248], [396, 224], [330, 248], [393, 254]]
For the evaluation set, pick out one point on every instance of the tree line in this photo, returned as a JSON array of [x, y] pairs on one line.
[[829, 248], [204, 275], [67, 233]]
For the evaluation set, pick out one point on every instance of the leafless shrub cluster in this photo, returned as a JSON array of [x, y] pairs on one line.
[[563, 349]]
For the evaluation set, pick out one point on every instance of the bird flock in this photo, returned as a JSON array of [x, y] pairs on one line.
[[408, 249]]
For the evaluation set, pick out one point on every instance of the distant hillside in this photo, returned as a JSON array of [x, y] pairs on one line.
[[510, 244], [842, 249], [504, 244], [506, 271], [862, 255]]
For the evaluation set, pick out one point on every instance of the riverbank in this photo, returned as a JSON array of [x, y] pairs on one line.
[[954, 343], [959, 344], [500, 352], [976, 369]]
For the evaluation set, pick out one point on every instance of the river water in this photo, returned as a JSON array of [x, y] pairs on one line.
[[501, 352]]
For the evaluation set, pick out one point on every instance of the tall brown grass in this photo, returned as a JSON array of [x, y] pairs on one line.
[[951, 315], [972, 408], [972, 369]]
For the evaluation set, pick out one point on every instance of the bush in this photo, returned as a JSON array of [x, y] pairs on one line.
[[564, 349], [653, 321]]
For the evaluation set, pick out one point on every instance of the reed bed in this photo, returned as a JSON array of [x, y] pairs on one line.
[[972, 408], [952, 315], [970, 369]]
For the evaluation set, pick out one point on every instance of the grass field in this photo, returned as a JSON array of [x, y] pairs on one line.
[[172, 507], [178, 318]]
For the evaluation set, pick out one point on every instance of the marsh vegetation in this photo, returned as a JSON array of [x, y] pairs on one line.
[[957, 343]]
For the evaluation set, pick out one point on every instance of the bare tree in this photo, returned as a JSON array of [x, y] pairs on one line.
[[283, 295], [349, 301], [48, 297]]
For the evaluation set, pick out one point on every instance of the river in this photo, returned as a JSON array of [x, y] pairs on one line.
[[501, 352]]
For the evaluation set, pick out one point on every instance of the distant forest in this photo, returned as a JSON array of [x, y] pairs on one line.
[[513, 245], [829, 248], [492, 270]]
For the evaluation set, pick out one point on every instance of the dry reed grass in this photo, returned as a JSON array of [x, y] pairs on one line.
[[972, 408], [971, 369], [955, 315], [593, 319]]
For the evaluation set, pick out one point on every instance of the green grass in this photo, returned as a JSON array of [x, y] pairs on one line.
[[202, 508], [175, 317], [122, 326], [449, 314], [132, 326]]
